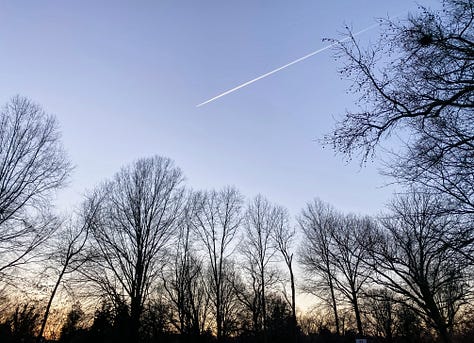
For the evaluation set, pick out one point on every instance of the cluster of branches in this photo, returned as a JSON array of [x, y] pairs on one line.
[[416, 84]]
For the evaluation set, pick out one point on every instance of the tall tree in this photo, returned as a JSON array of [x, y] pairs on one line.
[[410, 258], [184, 280], [284, 239], [349, 255], [67, 255], [260, 223], [217, 223], [317, 222], [332, 250], [33, 165], [140, 210]]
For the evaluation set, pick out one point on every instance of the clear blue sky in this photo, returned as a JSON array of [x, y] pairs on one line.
[[124, 79]]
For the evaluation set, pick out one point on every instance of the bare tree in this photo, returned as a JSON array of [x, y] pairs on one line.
[[216, 224], [317, 222], [261, 221], [380, 304], [70, 241], [32, 166], [231, 307], [332, 250], [140, 210], [247, 291], [349, 255], [411, 258], [284, 239], [184, 280]]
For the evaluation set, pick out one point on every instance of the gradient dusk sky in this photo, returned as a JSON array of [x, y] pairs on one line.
[[124, 79]]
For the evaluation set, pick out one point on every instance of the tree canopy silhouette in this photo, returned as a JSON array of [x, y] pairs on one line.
[[416, 82]]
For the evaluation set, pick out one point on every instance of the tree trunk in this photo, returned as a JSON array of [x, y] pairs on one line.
[[218, 314], [135, 312], [293, 302], [334, 306], [264, 307], [357, 313], [50, 301]]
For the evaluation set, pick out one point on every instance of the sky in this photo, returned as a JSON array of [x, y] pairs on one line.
[[124, 79]]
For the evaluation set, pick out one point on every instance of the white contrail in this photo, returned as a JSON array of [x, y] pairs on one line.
[[286, 65]]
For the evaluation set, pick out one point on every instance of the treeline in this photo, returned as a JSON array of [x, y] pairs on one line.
[[147, 259]]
